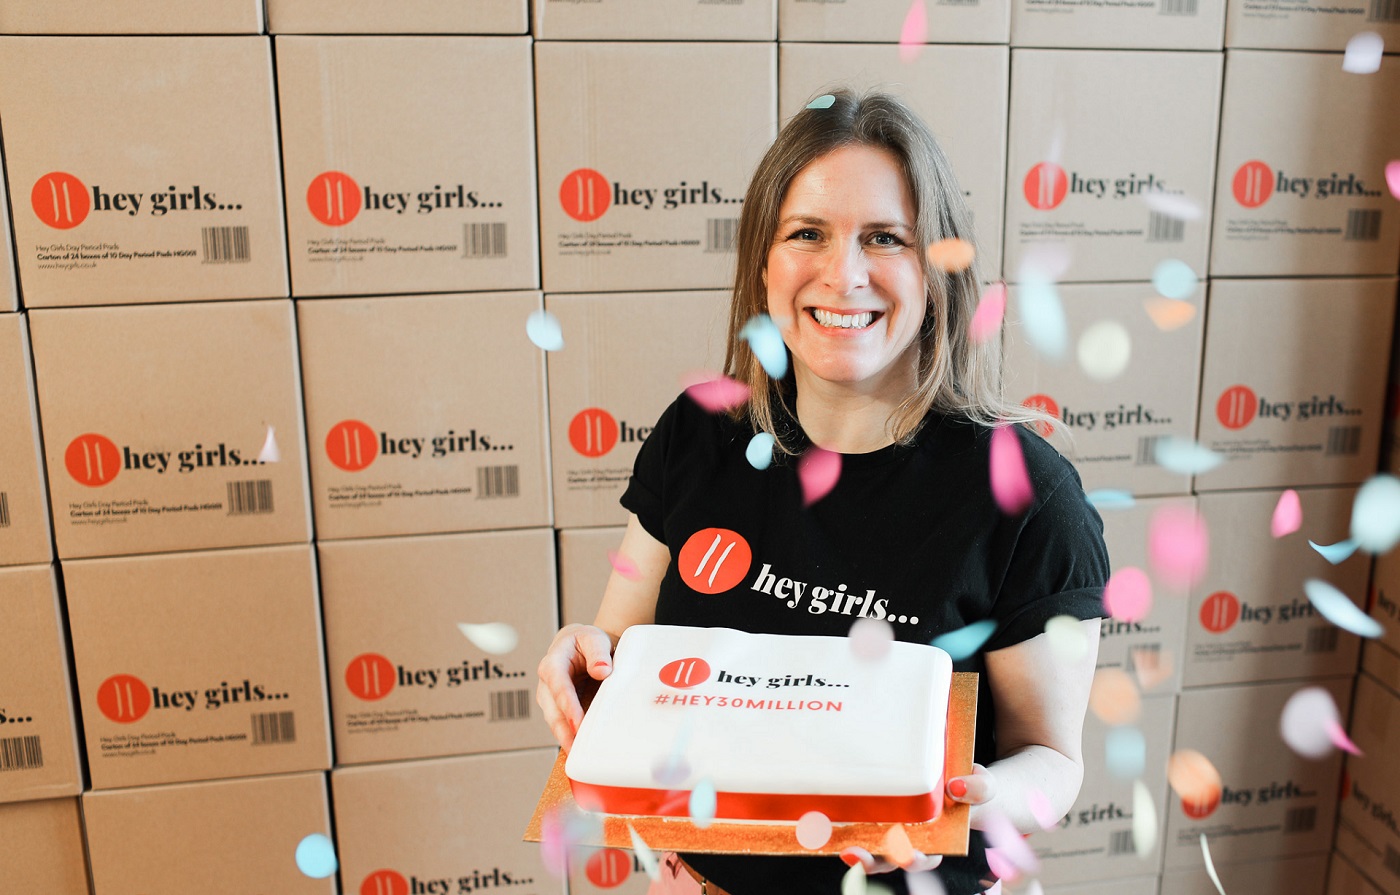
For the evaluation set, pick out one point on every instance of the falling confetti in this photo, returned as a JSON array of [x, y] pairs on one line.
[[965, 642], [1193, 778], [623, 565], [1363, 55], [1111, 499], [1178, 546], [1288, 514], [1174, 279], [1125, 752], [1168, 313], [1128, 594], [714, 392], [1006, 839], [269, 452], [1044, 318], [316, 856], [1151, 666], [1392, 177], [543, 329], [1173, 205], [825, 101], [1044, 262], [645, 855], [1339, 610], [818, 469], [1336, 553], [1305, 721], [924, 883], [1067, 639], [702, 804], [813, 830], [1184, 456], [1114, 698], [1041, 809], [896, 846], [1011, 484], [563, 831], [1034, 888], [1339, 738], [673, 770], [1375, 514], [991, 308], [1144, 820], [914, 33], [870, 639], [1210, 866], [1104, 350], [766, 342], [951, 255], [853, 882], [1001, 866], [497, 638], [759, 453]]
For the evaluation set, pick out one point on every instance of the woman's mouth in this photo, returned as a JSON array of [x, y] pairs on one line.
[[832, 320]]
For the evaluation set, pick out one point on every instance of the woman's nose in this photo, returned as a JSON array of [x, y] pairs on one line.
[[846, 268]]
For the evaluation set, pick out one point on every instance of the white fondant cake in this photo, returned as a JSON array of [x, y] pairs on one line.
[[779, 725]]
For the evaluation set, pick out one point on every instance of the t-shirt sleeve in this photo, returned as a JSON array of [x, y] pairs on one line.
[[646, 487], [1059, 566]]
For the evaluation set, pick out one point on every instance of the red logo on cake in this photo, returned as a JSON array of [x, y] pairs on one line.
[[1045, 186], [351, 445], [370, 676], [1202, 806], [384, 882], [585, 194], [609, 868], [1253, 184], [333, 198], [92, 460], [593, 432], [60, 200], [124, 698], [1045, 404], [1220, 611], [1236, 407], [685, 673], [714, 560]]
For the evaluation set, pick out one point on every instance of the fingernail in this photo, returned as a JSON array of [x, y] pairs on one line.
[[958, 788], [850, 859], [601, 663]]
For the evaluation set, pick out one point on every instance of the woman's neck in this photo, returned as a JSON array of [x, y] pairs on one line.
[[842, 420]]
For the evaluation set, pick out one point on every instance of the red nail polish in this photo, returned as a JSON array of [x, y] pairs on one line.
[[958, 788], [601, 663], [851, 860]]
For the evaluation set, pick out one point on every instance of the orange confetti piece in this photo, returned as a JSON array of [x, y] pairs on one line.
[[1169, 313], [897, 847], [951, 255]]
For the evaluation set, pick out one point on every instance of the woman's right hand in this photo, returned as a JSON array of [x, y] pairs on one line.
[[580, 655]]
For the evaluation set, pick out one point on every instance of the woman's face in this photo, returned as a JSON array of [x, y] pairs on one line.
[[845, 275]]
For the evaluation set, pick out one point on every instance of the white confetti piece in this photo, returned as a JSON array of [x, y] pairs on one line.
[[1304, 722], [1067, 640], [1144, 820], [497, 638], [1184, 456], [1210, 866], [645, 855], [269, 452], [870, 639], [853, 882], [1104, 350], [702, 803], [1363, 55], [1173, 205], [813, 830]]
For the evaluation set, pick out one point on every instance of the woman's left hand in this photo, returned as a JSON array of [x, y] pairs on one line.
[[977, 788], [872, 864]]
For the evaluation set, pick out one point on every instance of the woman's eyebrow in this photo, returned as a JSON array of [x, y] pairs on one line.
[[822, 222]]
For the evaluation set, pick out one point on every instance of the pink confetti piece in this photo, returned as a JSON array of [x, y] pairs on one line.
[[1041, 809], [1114, 697], [1340, 739], [818, 469], [925, 883], [813, 830], [1001, 866], [914, 34], [1011, 484], [1392, 177], [269, 452], [715, 392], [1288, 514], [554, 846], [991, 308], [1128, 594], [1178, 546], [870, 639], [1007, 840], [623, 566]]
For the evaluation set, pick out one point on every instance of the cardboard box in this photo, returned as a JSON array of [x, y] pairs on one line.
[[969, 122], [612, 871], [1154, 648], [1095, 840], [1250, 619], [1381, 663], [1274, 804], [400, 17], [155, 419], [199, 665], [622, 363], [584, 570], [405, 682], [38, 734], [1383, 601], [1372, 862], [241, 833], [656, 20], [1371, 796], [882, 21], [1316, 206], [131, 17], [453, 823], [424, 414], [1111, 428], [1390, 428], [442, 201], [9, 285], [24, 506], [1138, 885], [44, 847], [172, 194], [1307, 24], [1161, 25], [1303, 876], [641, 171], [1274, 400], [1344, 879]]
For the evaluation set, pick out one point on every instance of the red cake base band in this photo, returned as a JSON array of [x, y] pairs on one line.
[[760, 805]]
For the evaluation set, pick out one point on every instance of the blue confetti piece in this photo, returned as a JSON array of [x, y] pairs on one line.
[[702, 804], [1111, 499], [1044, 318], [1375, 514], [1175, 279], [766, 340], [1338, 609], [1125, 752], [825, 101], [965, 642], [1335, 553], [543, 329], [759, 453], [316, 856], [1185, 456]]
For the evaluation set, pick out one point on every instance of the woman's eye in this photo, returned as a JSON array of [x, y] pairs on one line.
[[886, 239], [806, 234]]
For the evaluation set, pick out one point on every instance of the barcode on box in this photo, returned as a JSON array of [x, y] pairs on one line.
[[720, 233], [1120, 842], [1392, 860], [1300, 820], [21, 754], [958, 2], [225, 244], [1177, 8], [1343, 441], [1161, 227], [484, 240], [1384, 11], [510, 705], [250, 498], [1147, 450], [4, 510], [1363, 225], [274, 728], [497, 481], [1322, 640]]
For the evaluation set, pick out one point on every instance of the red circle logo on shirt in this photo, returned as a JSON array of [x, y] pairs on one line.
[[124, 698], [351, 445], [1253, 184], [585, 194], [714, 560], [1046, 405], [370, 676], [684, 673], [60, 200], [384, 882], [1220, 611], [92, 460], [609, 868], [1236, 407], [593, 432], [1045, 186], [333, 198]]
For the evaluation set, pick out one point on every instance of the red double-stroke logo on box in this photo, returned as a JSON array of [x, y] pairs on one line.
[[60, 200], [684, 673], [123, 698], [1046, 405], [351, 445], [370, 676], [608, 868], [593, 432], [1202, 806], [714, 560], [1253, 184], [1045, 186], [92, 460], [1220, 612], [585, 194], [1236, 407], [384, 882], [333, 198]]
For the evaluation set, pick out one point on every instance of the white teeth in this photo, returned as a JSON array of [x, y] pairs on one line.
[[843, 321]]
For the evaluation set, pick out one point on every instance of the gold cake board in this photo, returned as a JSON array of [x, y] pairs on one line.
[[946, 835]]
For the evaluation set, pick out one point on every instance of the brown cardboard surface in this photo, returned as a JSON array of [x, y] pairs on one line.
[[1304, 876], [180, 199], [448, 821], [1275, 803], [1306, 24], [1274, 400], [969, 122], [198, 665], [1137, 885], [424, 414], [441, 201], [24, 506], [1343, 877], [1091, 132], [621, 366], [655, 20], [405, 682], [1158, 25], [41, 847], [882, 21], [9, 285], [1371, 797], [154, 419], [641, 171], [1383, 602], [584, 569], [1250, 618], [1286, 205], [38, 736], [1381, 663], [399, 17], [1112, 427], [241, 833], [131, 17]]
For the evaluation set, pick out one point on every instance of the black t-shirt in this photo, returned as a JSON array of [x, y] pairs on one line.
[[910, 534]]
